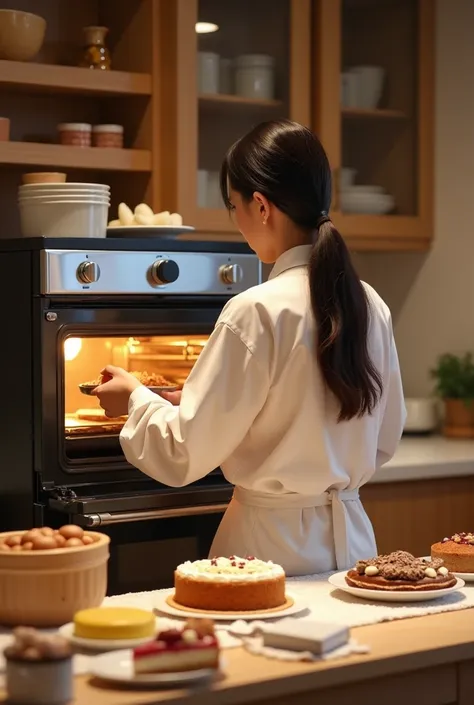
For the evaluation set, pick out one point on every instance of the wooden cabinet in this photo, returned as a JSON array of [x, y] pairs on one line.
[[204, 106], [360, 72], [374, 111], [36, 96], [184, 96]]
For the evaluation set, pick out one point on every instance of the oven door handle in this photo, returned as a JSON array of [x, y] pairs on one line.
[[107, 518]]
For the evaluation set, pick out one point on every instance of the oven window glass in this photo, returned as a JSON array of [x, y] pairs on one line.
[[157, 361]]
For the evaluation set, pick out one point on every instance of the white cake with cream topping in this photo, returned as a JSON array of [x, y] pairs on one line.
[[231, 584]]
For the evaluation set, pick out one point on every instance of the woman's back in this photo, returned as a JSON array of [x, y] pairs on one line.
[[296, 443]]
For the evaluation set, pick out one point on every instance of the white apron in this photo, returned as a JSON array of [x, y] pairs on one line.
[[304, 534]]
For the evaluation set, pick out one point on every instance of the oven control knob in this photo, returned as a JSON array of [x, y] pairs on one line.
[[88, 272], [231, 273], [164, 271]]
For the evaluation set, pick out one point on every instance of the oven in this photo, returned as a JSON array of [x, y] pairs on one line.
[[70, 308]]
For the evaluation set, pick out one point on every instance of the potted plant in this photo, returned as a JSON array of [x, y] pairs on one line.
[[454, 377]]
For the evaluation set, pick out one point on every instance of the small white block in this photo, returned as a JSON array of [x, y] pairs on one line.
[[296, 635]]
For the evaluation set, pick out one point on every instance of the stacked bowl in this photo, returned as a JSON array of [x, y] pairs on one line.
[[64, 209]]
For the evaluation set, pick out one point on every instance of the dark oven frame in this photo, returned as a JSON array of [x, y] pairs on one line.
[[59, 318]]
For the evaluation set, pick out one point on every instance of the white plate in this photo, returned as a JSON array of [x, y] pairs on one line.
[[162, 606], [467, 577], [339, 581], [117, 667], [67, 631], [149, 230]]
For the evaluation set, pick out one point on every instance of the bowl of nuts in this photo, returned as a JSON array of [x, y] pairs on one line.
[[47, 575]]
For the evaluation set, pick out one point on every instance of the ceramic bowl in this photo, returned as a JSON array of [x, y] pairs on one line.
[[46, 588], [73, 217], [21, 35]]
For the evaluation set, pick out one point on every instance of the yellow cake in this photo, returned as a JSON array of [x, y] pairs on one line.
[[114, 623], [230, 584]]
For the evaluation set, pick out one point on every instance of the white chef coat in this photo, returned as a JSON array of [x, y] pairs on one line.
[[255, 404]]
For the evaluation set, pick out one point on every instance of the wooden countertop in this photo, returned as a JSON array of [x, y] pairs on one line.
[[426, 660]]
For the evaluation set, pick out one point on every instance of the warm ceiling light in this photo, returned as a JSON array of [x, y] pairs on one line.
[[206, 27]]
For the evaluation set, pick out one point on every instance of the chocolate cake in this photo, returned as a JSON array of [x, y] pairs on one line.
[[457, 552], [400, 571]]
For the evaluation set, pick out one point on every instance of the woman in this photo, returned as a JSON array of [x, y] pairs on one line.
[[297, 395]]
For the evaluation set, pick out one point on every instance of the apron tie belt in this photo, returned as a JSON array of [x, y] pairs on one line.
[[334, 498]]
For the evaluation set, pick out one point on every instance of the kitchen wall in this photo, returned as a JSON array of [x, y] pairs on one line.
[[432, 295]]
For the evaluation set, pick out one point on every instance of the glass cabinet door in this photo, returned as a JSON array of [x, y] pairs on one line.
[[243, 78], [379, 98]]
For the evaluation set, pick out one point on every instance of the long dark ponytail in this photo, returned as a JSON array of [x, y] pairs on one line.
[[286, 163]]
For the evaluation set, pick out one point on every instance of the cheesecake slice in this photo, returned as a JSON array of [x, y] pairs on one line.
[[191, 648]]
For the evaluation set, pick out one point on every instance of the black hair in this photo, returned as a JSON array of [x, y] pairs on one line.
[[286, 163]]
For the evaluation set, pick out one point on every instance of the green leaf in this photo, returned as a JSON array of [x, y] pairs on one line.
[[454, 376]]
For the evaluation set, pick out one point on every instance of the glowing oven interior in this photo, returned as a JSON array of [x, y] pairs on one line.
[[169, 356]]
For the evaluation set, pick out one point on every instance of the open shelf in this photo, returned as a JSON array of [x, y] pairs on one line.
[[224, 99], [37, 154], [71, 79], [375, 114]]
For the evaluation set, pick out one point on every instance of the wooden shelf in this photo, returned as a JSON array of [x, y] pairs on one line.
[[49, 78], [37, 154], [376, 114], [223, 99]]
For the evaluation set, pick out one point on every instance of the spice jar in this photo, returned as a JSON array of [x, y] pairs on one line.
[[95, 55], [107, 136], [75, 134]]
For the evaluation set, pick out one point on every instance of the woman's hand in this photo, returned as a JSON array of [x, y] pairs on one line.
[[173, 397], [115, 390]]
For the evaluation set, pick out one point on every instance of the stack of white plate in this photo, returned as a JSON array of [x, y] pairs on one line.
[[64, 210], [370, 200]]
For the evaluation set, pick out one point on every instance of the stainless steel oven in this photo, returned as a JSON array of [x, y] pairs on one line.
[[70, 308]]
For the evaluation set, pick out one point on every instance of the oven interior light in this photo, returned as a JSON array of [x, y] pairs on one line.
[[72, 348], [206, 27]]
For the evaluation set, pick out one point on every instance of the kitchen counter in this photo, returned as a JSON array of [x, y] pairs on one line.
[[427, 660], [427, 457], [424, 493]]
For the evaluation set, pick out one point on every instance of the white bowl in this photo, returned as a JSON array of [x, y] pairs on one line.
[[422, 415], [61, 199], [64, 186], [369, 204], [64, 219], [53, 192], [362, 190]]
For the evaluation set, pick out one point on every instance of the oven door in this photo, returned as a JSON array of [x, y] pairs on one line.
[[150, 532], [154, 337]]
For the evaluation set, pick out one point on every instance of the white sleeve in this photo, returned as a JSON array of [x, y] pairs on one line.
[[225, 391], [394, 415]]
